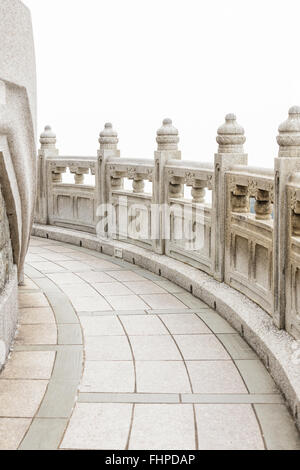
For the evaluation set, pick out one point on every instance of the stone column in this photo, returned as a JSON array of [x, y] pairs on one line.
[[287, 163], [48, 149], [108, 140], [167, 149], [231, 138]]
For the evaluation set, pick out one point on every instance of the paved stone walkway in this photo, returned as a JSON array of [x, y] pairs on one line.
[[109, 356]]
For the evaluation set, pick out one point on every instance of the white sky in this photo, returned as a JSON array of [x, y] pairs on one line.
[[135, 62]]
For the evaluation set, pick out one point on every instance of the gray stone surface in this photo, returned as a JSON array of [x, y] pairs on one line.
[[17, 155], [8, 293], [275, 348]]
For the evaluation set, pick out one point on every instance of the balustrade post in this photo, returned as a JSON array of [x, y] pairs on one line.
[[167, 149], [198, 191], [79, 173], [231, 139], [108, 149], [286, 164], [48, 149], [263, 205]]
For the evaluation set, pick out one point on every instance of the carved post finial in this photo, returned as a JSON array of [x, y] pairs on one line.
[[231, 136], [48, 139], [289, 134], [167, 136], [108, 138]]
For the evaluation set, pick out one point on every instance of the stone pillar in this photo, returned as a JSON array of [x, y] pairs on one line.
[[167, 149], [231, 139], [108, 140], [288, 162], [48, 149]]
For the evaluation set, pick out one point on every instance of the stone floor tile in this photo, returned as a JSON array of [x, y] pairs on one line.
[[62, 249], [201, 347], [52, 407], [145, 287], [112, 288], [103, 426], [162, 377], [163, 427], [126, 276], [101, 326], [34, 258], [32, 273], [154, 348], [67, 278], [143, 325], [68, 365], [101, 265], [163, 301], [47, 267], [12, 431], [190, 301], [215, 322], [107, 348], [39, 315], [56, 257], [37, 334], [96, 277], [237, 347], [77, 292], [134, 313], [278, 427], [184, 324], [44, 434], [231, 398], [29, 365], [62, 307], [90, 304], [215, 377], [114, 377], [126, 302], [256, 376], [170, 287], [32, 300], [37, 250], [171, 311], [147, 274], [75, 266], [69, 334], [228, 427], [129, 398], [21, 398], [82, 256]]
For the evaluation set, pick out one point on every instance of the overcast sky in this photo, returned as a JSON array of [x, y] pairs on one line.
[[135, 62]]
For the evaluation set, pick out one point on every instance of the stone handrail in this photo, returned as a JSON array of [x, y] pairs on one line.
[[246, 234]]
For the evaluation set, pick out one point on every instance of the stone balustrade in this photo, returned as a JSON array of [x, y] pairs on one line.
[[239, 224]]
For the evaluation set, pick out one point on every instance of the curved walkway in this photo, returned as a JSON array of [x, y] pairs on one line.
[[110, 356]]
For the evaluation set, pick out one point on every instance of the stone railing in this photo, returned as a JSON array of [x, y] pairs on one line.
[[238, 224]]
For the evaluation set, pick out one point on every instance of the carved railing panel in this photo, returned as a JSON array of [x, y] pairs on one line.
[[249, 236], [189, 222], [132, 208], [71, 205], [293, 268]]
